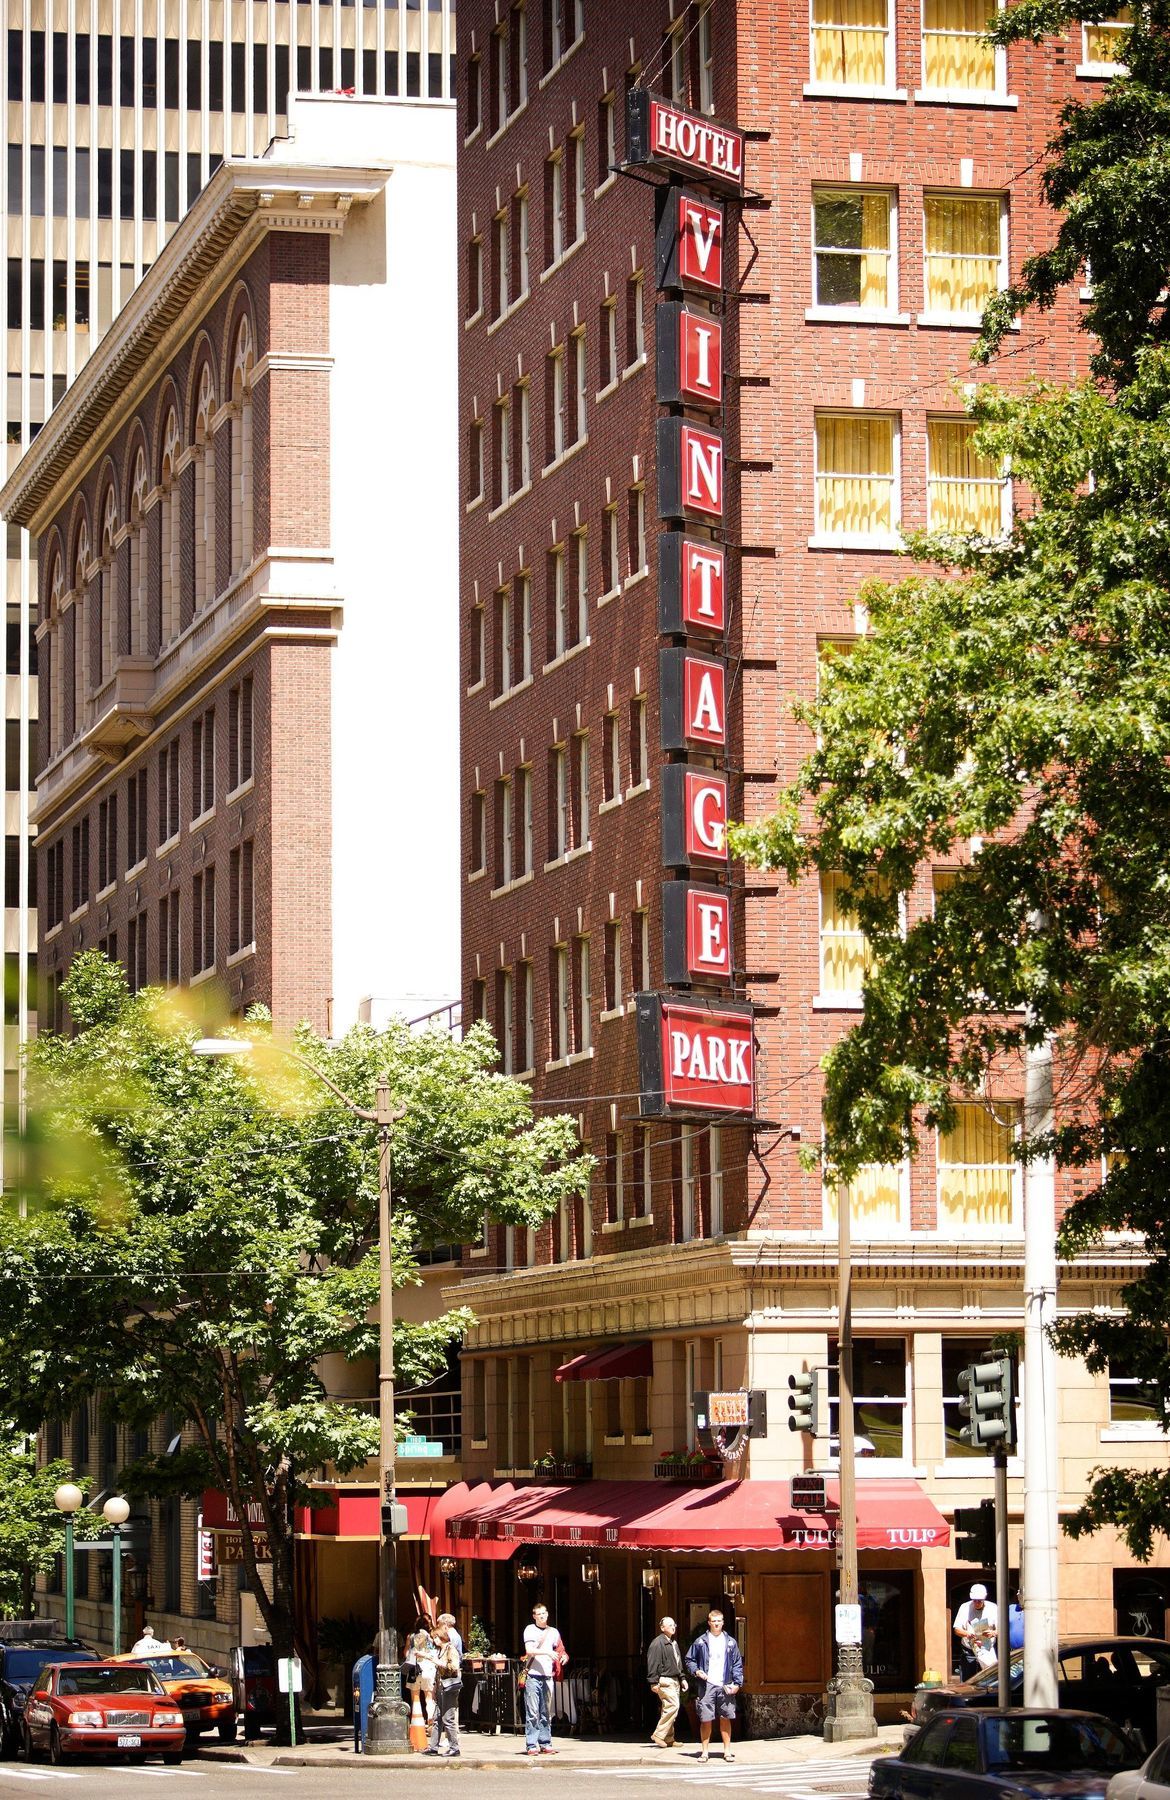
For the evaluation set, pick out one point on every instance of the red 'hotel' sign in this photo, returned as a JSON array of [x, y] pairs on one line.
[[695, 1058], [670, 138]]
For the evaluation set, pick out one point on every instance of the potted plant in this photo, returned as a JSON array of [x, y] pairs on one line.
[[478, 1643]]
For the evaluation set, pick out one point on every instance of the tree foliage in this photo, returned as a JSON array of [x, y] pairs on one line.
[[1007, 712], [201, 1234], [32, 1531]]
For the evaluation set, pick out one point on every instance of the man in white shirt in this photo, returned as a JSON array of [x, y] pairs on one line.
[[976, 1627], [716, 1662], [544, 1656]]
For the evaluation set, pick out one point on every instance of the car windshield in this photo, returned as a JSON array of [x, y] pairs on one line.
[[177, 1668], [1055, 1744], [989, 1677], [23, 1665], [104, 1680]]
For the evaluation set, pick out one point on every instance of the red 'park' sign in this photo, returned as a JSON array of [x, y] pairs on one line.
[[695, 1058]]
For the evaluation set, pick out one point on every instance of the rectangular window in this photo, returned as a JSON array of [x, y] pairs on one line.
[[635, 322], [522, 427], [136, 965], [955, 55], [965, 252], [640, 948], [579, 768], [505, 1021], [582, 996], [240, 734], [475, 468], [857, 497], [560, 1002], [611, 761], [80, 865], [502, 453], [1104, 42], [477, 833], [715, 1179], [641, 1194], [55, 882], [203, 764], [556, 606], [498, 52], [522, 625], [614, 1182], [474, 278], [242, 922], [639, 766], [853, 257], [613, 964], [606, 139], [844, 950], [611, 554], [555, 405], [553, 41], [527, 1002], [503, 833], [136, 817], [107, 842], [852, 43], [502, 610], [875, 1201], [558, 801], [520, 241], [636, 531], [674, 57], [473, 104], [168, 939], [475, 646], [958, 1354], [518, 55], [577, 146], [880, 1396], [706, 59], [607, 338], [524, 819], [1133, 1400], [580, 383], [554, 209], [501, 267], [965, 490], [203, 922], [579, 577], [978, 1174], [168, 793], [690, 1219]]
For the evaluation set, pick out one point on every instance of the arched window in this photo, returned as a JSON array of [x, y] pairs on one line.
[[242, 449], [205, 582], [107, 632], [81, 681], [168, 509], [54, 647], [139, 636]]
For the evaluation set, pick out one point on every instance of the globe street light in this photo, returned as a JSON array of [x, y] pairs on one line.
[[68, 1499], [388, 1717], [116, 1511]]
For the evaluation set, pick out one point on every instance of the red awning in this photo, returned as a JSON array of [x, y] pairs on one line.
[[344, 1514], [892, 1514], [615, 1364]]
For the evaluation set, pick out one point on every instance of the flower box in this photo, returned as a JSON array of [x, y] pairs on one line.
[[562, 1471], [685, 1469]]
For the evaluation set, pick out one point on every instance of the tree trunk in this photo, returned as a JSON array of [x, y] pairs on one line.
[[281, 1622]]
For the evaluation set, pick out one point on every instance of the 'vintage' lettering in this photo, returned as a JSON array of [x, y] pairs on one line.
[[704, 700], [706, 816], [709, 933]]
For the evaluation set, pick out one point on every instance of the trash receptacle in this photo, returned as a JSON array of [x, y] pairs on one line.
[[363, 1693]]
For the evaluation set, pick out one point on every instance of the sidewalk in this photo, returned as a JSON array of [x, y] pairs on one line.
[[482, 1750]]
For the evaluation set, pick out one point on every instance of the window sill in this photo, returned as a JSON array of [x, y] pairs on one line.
[[525, 1075], [509, 693], [202, 976], [168, 844], [643, 787], [510, 887], [238, 792], [837, 1003], [614, 1440], [568, 856], [473, 318], [643, 1219], [841, 90], [565, 656], [479, 1250], [876, 540], [1133, 1434], [558, 1062], [610, 387], [470, 505], [562, 59], [477, 687], [854, 315], [560, 261], [611, 1225], [497, 511], [604, 806], [201, 819], [610, 594], [105, 892], [472, 135], [510, 120], [79, 912], [640, 1437], [956, 321], [579, 1056], [964, 1467], [633, 368], [53, 930], [609, 182], [1099, 71], [137, 868], [565, 455], [613, 1012], [475, 875], [242, 954], [963, 97], [512, 307], [639, 575]]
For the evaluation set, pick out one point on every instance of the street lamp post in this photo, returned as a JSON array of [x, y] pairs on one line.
[[849, 1712], [68, 1499], [389, 1716], [116, 1511]]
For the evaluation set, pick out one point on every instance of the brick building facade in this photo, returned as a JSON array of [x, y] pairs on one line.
[[890, 185]]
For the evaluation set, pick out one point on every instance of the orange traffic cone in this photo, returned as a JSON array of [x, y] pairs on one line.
[[418, 1723]]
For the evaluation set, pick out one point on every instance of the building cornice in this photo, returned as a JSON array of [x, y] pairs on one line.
[[240, 204]]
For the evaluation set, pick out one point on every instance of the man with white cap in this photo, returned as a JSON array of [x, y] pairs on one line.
[[976, 1625]]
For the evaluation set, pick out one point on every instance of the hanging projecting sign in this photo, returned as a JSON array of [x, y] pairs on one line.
[[693, 699], [666, 137], [694, 1058], [690, 584], [696, 933], [689, 242], [694, 816], [690, 357], [690, 470]]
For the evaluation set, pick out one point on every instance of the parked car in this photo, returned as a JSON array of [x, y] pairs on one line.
[[1116, 1676], [1150, 1782], [205, 1694], [101, 1709], [1017, 1753], [20, 1662]]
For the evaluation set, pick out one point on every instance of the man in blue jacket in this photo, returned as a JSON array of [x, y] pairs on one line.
[[715, 1661]]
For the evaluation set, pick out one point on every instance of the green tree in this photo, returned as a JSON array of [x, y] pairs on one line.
[[1008, 712], [201, 1234], [32, 1531]]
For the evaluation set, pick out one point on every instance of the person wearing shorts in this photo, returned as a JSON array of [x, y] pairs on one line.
[[715, 1662]]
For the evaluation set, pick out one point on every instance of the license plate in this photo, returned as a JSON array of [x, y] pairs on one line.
[[129, 1742], [191, 1714]]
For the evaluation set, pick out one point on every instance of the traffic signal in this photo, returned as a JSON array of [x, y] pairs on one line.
[[975, 1534], [805, 1410], [988, 1393]]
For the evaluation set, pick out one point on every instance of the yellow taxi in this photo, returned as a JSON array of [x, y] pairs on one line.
[[206, 1697]]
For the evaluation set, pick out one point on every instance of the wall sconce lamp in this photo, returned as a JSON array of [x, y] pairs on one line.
[[526, 1571], [733, 1586], [652, 1579], [450, 1567], [591, 1572]]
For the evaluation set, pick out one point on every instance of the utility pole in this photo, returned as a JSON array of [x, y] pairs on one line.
[[1039, 1572], [1002, 1586], [849, 1703]]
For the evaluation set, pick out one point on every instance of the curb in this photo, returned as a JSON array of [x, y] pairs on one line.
[[332, 1759]]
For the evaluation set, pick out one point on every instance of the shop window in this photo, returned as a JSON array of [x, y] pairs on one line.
[[852, 43], [965, 253], [1141, 1600], [978, 1175], [854, 264], [887, 1627], [966, 491], [880, 1397], [956, 57], [857, 497]]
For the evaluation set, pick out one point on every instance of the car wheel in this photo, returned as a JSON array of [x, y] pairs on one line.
[[56, 1754], [25, 1750], [227, 1731], [172, 1757]]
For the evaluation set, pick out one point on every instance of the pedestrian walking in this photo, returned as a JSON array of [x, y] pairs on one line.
[[715, 1661], [544, 1658], [976, 1627], [1015, 1624], [664, 1669], [448, 1619], [448, 1688]]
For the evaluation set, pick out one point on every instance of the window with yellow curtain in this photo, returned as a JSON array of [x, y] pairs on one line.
[[977, 1169], [954, 53], [875, 1201], [852, 244], [964, 489], [850, 42], [844, 950], [1103, 42], [964, 253], [856, 475]]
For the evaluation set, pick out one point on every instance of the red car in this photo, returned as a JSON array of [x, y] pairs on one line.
[[101, 1709]]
